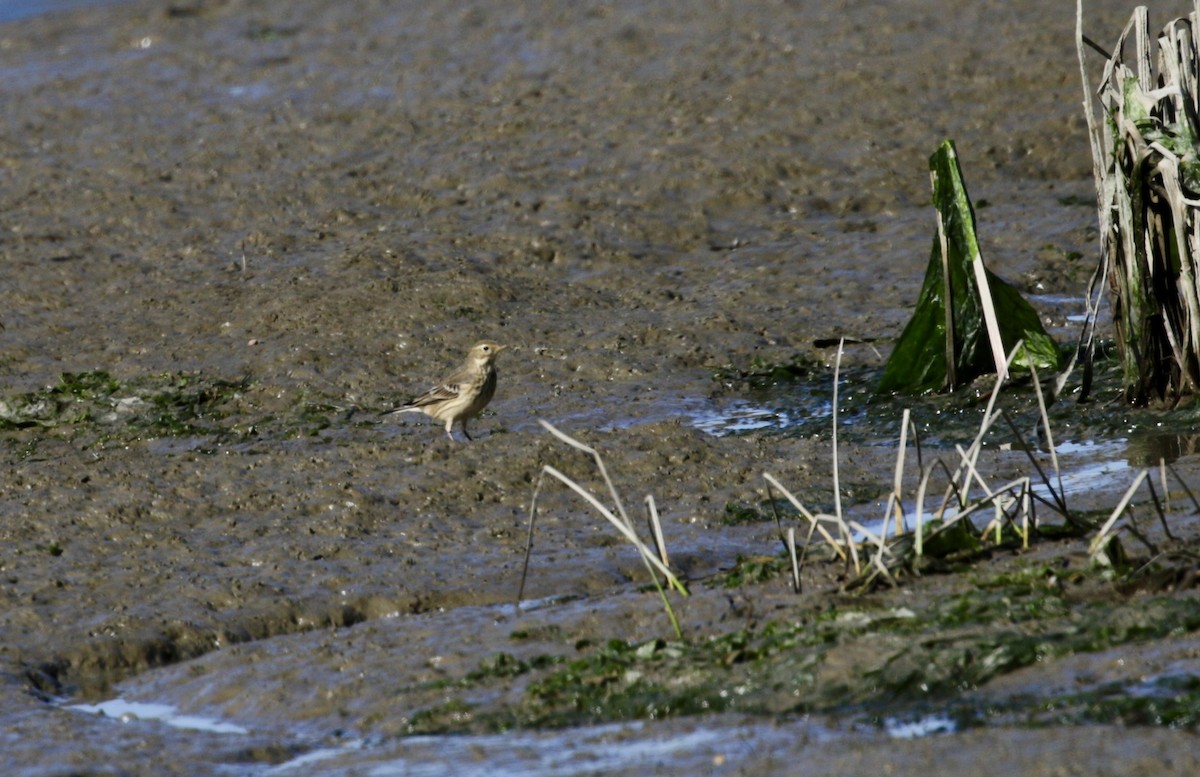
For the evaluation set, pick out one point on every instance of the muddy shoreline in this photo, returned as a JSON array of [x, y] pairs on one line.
[[235, 231]]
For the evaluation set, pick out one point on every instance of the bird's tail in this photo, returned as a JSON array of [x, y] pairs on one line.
[[401, 409]]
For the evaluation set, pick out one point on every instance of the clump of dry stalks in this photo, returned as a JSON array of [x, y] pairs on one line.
[[1015, 511], [656, 561], [875, 557], [914, 522], [1147, 170]]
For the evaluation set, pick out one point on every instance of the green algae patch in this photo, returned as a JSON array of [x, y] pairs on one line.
[[74, 398], [185, 405], [451, 715], [1172, 701], [619, 681], [156, 405], [761, 373], [505, 665], [741, 513], [857, 659], [755, 569], [94, 406]]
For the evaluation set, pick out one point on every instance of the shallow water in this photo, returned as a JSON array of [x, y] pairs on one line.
[[741, 415], [605, 749], [128, 711], [12, 10]]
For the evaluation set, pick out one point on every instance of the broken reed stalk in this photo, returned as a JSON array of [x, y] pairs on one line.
[[1183, 485], [919, 529], [1028, 517], [814, 521], [576, 444], [621, 522], [1013, 504], [791, 548], [1158, 507], [1162, 479], [1060, 502], [1098, 547], [1102, 536], [656, 530], [1147, 179], [847, 537], [788, 537], [948, 301], [894, 504], [1045, 419], [989, 417], [845, 547], [986, 303], [837, 491]]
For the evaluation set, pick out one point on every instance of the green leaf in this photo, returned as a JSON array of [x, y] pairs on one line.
[[919, 362]]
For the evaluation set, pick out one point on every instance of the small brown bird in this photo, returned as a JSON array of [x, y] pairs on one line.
[[462, 394]]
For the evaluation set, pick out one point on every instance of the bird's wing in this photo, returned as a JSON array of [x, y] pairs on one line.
[[450, 387], [439, 393]]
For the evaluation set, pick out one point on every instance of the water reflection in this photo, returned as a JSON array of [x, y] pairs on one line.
[[1147, 450], [129, 711]]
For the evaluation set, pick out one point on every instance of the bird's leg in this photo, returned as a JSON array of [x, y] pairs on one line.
[[450, 430], [465, 433]]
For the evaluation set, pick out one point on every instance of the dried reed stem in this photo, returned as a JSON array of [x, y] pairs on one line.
[[621, 522], [1143, 162]]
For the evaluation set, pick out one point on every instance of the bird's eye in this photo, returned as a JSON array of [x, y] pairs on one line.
[[487, 348]]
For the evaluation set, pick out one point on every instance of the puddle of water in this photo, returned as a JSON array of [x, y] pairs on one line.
[[689, 746], [1146, 450], [1072, 307], [741, 415], [716, 418], [925, 726], [11, 10], [1091, 448], [1111, 472], [1160, 686], [1057, 299], [529, 605], [255, 91], [128, 711], [1115, 474], [602, 749], [609, 748]]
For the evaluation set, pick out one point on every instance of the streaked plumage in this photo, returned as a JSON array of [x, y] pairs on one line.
[[462, 394]]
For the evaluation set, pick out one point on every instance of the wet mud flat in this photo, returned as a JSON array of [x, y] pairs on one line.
[[233, 232]]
